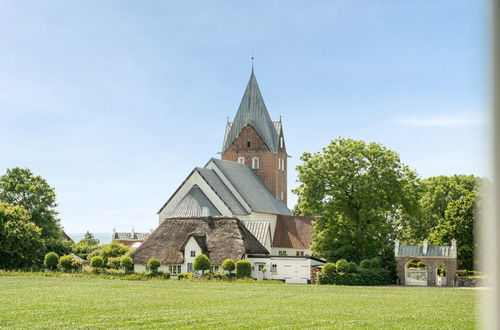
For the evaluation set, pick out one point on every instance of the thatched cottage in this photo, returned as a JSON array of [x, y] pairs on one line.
[[245, 192]]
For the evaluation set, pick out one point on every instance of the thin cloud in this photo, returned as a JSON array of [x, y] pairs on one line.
[[442, 121]]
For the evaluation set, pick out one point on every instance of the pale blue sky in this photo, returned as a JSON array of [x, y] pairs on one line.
[[114, 102]]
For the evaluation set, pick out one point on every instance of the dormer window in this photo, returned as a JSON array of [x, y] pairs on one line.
[[255, 163], [241, 160], [249, 144]]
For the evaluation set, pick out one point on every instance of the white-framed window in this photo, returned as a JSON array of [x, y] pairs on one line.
[[215, 268], [241, 160], [190, 268], [299, 253], [193, 253], [281, 142], [281, 164], [174, 269], [261, 267], [282, 253], [255, 163], [274, 268]]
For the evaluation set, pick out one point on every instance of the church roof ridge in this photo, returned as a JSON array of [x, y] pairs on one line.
[[252, 111]]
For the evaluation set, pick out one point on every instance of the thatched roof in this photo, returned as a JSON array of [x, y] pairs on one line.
[[219, 237]]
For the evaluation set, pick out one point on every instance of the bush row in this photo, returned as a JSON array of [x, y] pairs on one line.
[[348, 273]]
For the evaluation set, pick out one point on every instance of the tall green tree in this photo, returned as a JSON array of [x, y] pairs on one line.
[[87, 247], [20, 187], [360, 191], [21, 245]]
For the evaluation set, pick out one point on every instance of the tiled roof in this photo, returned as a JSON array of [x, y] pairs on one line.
[[293, 232], [251, 188], [130, 236], [252, 111], [418, 251], [259, 229], [192, 204]]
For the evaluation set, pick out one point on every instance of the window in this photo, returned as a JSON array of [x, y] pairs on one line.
[[174, 269], [281, 164], [282, 196], [248, 144], [193, 253], [255, 163], [241, 160], [299, 253], [215, 268], [274, 268], [281, 142], [190, 268], [282, 253], [261, 268]]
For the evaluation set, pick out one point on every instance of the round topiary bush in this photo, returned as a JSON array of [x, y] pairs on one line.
[[365, 264], [228, 265], [51, 260], [114, 262], [126, 262], [201, 262], [97, 262], [153, 265], [343, 266], [66, 263], [375, 263], [243, 268], [353, 268]]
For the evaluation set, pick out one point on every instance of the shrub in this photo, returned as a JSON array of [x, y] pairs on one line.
[[364, 277], [166, 275], [51, 260], [113, 250], [153, 265], [66, 263], [126, 262], [201, 262], [97, 262], [343, 266], [76, 264], [243, 268], [228, 265], [352, 267], [186, 276], [365, 263], [114, 262], [375, 263]]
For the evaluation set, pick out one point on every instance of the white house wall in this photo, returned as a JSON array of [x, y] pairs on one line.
[[290, 252], [290, 270]]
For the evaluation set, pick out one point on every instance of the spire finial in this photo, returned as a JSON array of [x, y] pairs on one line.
[[252, 58]]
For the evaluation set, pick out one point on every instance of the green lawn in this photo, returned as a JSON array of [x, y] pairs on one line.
[[57, 302]]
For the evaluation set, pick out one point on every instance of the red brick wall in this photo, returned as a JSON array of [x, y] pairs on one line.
[[273, 178]]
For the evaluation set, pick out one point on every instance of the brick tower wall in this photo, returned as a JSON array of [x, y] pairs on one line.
[[268, 171]]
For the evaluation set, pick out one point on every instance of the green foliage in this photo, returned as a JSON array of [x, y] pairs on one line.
[[51, 260], [21, 244], [153, 265], [185, 276], [126, 262], [87, 247], [228, 265], [343, 266], [166, 275], [243, 268], [66, 263], [97, 262], [114, 262], [353, 268], [113, 250], [360, 193], [365, 264], [201, 262], [375, 263], [59, 246], [20, 187], [364, 277]]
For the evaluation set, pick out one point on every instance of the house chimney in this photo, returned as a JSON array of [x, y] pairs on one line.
[[133, 233], [396, 247], [205, 212], [114, 233], [426, 245]]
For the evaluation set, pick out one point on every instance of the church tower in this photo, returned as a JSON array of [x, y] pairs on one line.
[[255, 140]]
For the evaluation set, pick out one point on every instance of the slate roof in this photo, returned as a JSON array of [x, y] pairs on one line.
[[259, 229], [191, 205], [220, 237], [293, 232], [418, 251], [252, 111], [251, 188]]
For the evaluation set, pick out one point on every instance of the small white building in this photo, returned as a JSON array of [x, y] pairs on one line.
[[291, 269]]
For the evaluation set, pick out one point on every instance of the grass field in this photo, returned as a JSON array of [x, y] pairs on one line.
[[57, 302]]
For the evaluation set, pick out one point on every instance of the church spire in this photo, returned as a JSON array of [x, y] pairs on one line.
[[252, 111]]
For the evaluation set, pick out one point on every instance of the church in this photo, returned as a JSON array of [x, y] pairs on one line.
[[236, 207]]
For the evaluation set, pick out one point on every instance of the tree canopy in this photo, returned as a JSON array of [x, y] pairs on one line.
[[360, 192]]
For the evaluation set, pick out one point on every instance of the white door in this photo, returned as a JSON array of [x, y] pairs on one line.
[[296, 273]]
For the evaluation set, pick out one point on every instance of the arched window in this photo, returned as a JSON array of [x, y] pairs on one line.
[[255, 163], [241, 160]]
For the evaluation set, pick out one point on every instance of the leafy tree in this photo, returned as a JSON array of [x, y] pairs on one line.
[[243, 268], [201, 262], [360, 192], [97, 262], [66, 263], [87, 246], [20, 187], [21, 245], [126, 262], [114, 262], [113, 250], [153, 265], [50, 261], [228, 265]]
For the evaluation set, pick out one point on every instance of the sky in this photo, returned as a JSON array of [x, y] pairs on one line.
[[115, 102]]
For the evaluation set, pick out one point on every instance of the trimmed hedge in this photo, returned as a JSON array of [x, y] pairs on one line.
[[243, 268], [153, 265], [66, 263], [114, 262], [228, 265], [126, 262], [97, 262], [364, 277], [51, 260], [353, 268], [375, 263], [365, 263], [343, 266]]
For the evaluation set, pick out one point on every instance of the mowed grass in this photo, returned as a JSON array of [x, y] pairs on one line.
[[68, 302]]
